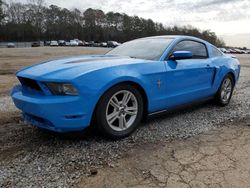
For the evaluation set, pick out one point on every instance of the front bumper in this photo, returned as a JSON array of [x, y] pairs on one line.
[[56, 113]]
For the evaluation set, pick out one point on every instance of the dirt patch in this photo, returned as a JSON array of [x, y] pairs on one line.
[[12, 60], [217, 158], [10, 117], [7, 81]]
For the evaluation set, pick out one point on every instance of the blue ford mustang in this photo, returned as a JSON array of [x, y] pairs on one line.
[[115, 91]]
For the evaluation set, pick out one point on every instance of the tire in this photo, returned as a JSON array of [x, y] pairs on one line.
[[225, 91], [119, 111]]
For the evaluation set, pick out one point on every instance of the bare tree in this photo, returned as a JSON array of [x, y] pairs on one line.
[[36, 21], [1, 10]]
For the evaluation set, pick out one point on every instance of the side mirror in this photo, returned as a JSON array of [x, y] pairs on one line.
[[177, 55]]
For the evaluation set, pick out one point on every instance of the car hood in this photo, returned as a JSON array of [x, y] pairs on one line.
[[72, 67]]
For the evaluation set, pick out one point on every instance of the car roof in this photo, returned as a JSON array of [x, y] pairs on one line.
[[180, 37]]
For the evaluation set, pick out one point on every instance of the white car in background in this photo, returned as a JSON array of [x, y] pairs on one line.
[[73, 43], [104, 44], [224, 50], [53, 43], [67, 43], [11, 45], [80, 43]]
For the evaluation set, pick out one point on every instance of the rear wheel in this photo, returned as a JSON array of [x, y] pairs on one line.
[[225, 91], [119, 111]]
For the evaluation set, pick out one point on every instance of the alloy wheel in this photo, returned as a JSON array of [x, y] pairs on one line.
[[121, 111], [226, 90]]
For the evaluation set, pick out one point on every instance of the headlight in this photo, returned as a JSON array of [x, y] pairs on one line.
[[61, 88]]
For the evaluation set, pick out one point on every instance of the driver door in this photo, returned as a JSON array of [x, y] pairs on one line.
[[188, 80]]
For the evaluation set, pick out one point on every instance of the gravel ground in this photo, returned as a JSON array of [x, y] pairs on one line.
[[6, 104], [30, 157]]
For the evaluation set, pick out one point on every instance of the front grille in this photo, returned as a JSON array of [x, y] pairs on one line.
[[32, 84]]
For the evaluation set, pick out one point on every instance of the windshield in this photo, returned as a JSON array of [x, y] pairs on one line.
[[150, 49]]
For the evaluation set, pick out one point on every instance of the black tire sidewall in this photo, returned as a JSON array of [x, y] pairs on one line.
[[100, 115]]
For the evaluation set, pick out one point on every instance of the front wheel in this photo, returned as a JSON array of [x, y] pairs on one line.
[[225, 91], [119, 111]]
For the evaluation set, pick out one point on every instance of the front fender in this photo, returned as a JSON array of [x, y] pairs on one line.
[[122, 79], [92, 86]]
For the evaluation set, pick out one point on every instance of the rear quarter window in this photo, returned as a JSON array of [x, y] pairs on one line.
[[216, 52]]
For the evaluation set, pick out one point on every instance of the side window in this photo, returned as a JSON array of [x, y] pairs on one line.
[[198, 49], [216, 52]]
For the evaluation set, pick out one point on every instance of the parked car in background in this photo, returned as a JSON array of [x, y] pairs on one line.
[[86, 44], [104, 44], [139, 78], [73, 43], [61, 43], [238, 51], [67, 43], [11, 45], [97, 44], [35, 44], [243, 51], [53, 43], [46, 43], [232, 51], [91, 43], [112, 44], [80, 43], [224, 50]]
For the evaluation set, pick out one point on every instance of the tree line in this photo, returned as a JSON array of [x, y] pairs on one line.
[[35, 21]]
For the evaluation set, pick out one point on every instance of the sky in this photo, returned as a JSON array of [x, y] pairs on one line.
[[229, 19]]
